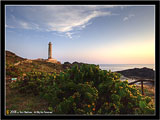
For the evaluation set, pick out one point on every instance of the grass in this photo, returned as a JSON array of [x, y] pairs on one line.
[[22, 102], [149, 90]]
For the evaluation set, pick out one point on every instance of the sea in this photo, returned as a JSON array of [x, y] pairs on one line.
[[120, 67]]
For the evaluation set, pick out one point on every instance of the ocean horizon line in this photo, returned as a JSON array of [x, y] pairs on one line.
[[119, 67]]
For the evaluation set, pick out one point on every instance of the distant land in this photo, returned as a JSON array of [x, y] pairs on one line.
[[145, 73]]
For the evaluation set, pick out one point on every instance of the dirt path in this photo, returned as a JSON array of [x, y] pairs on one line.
[[21, 62]]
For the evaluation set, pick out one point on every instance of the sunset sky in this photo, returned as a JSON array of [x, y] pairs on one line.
[[101, 34]]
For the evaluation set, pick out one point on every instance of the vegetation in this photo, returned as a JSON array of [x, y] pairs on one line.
[[85, 89], [24, 102], [17, 66], [75, 88], [12, 58]]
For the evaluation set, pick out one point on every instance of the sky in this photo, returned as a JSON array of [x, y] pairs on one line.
[[95, 34]]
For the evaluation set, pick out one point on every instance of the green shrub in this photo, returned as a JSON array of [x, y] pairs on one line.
[[86, 90], [13, 71]]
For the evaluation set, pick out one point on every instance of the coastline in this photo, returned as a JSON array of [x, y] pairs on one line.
[[145, 74], [130, 80]]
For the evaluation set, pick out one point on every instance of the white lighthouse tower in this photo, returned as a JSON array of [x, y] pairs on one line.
[[50, 50], [50, 59]]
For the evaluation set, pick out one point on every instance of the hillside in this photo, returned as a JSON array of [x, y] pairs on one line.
[[16, 65], [12, 58], [39, 65]]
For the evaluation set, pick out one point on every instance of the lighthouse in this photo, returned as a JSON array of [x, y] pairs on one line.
[[50, 50], [50, 59]]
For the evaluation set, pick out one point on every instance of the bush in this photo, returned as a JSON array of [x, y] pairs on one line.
[[86, 90], [13, 71]]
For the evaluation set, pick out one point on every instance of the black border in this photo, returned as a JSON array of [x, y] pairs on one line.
[[157, 69]]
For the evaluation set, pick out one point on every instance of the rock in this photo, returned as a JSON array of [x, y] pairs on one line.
[[58, 62], [75, 62], [145, 73], [66, 63]]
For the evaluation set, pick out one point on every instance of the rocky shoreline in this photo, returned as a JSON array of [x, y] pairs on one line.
[[143, 73]]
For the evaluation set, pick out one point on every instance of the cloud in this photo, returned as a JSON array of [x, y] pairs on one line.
[[125, 18], [8, 26], [128, 17], [76, 20], [18, 23], [24, 25], [69, 34], [62, 19]]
